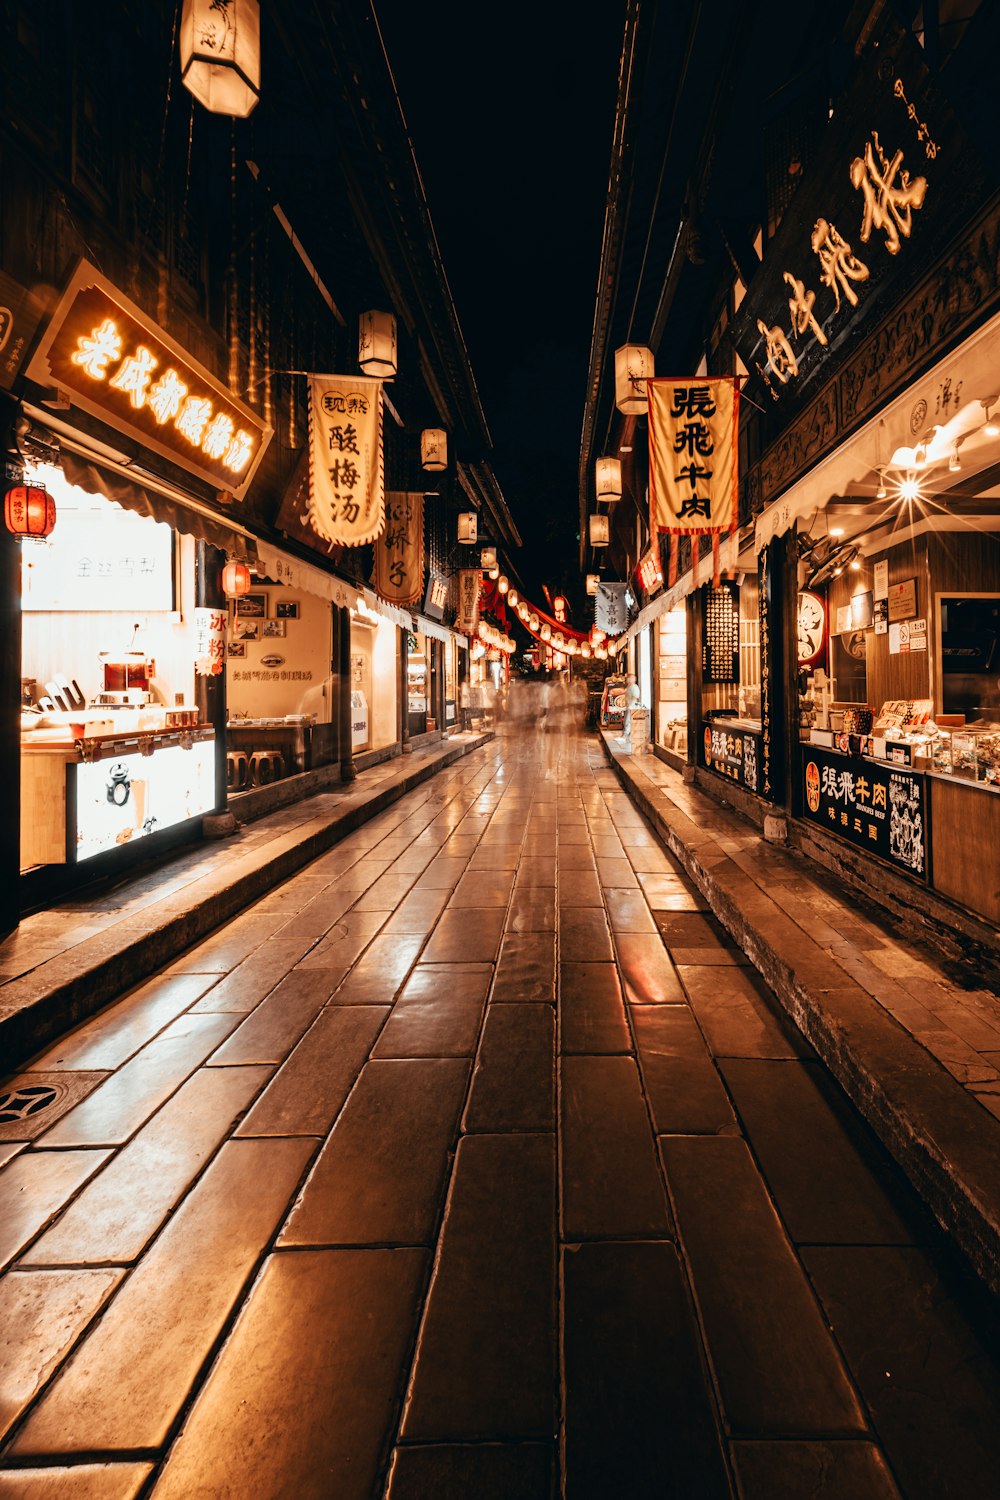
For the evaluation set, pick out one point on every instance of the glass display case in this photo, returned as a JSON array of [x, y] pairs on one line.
[[975, 753]]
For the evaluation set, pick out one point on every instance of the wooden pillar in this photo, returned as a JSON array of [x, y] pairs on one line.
[[10, 723], [694, 674], [403, 697], [210, 692], [342, 691]]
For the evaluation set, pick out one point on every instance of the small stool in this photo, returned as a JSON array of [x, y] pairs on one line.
[[237, 770], [266, 766]]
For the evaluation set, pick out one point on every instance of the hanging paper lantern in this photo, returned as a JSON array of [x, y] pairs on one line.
[[377, 344], [503, 584], [599, 531], [633, 367], [593, 579], [235, 579], [220, 54], [609, 479], [29, 511], [488, 559], [585, 651], [434, 455], [546, 632], [512, 598], [468, 527]]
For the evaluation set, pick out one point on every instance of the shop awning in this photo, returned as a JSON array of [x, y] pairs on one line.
[[282, 567], [148, 499], [432, 628], [700, 574]]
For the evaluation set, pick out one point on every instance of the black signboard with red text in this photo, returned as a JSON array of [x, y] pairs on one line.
[[878, 807]]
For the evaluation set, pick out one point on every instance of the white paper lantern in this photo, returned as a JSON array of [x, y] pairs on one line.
[[593, 579], [488, 559], [609, 479], [468, 527], [599, 531], [377, 344], [220, 55], [434, 450], [633, 367], [503, 585]]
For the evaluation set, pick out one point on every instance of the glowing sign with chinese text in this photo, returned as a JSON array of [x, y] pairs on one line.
[[346, 484], [118, 365]]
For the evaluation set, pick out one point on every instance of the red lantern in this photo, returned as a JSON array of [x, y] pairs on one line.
[[235, 579], [28, 511]]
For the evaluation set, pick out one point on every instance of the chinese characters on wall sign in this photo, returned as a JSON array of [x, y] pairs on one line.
[[721, 633], [468, 601], [117, 364], [869, 804], [209, 641], [346, 500], [866, 206]]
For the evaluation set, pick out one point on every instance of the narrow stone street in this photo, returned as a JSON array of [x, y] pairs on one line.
[[475, 1161]]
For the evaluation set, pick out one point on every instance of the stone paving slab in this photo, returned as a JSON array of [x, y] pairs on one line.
[[915, 1083], [131, 936]]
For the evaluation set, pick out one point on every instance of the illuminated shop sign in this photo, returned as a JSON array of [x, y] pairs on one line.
[[892, 178], [436, 597], [118, 365], [649, 572]]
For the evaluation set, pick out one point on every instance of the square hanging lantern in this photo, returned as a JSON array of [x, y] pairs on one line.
[[468, 527], [220, 54], [599, 531], [593, 579], [488, 559], [434, 449], [633, 367], [609, 479], [377, 344]]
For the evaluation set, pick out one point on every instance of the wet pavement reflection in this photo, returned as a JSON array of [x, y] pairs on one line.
[[475, 1161]]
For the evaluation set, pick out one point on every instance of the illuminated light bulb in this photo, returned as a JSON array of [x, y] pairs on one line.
[[881, 492], [836, 531], [992, 429], [909, 488], [855, 566], [837, 572]]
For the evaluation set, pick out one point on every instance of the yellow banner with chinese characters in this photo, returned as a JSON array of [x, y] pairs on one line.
[[346, 485], [399, 551], [693, 464]]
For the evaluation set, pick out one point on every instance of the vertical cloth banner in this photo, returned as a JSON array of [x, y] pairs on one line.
[[399, 551], [610, 610], [467, 622], [693, 460], [346, 485]]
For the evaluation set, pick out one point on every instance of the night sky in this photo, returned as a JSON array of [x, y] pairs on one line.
[[511, 112]]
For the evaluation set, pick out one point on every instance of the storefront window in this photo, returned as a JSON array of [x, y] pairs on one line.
[[672, 680], [417, 683], [111, 747]]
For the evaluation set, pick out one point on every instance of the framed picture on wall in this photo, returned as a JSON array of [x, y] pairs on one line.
[[252, 606], [236, 648], [272, 628], [286, 609], [248, 630]]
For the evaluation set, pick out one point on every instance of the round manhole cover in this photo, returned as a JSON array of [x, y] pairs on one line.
[[24, 1103]]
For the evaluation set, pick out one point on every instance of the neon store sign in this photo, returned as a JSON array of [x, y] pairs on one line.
[[120, 366]]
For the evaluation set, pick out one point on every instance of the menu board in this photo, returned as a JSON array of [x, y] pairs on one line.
[[721, 633]]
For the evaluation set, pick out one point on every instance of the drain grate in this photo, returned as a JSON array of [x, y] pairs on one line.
[[25, 1103]]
